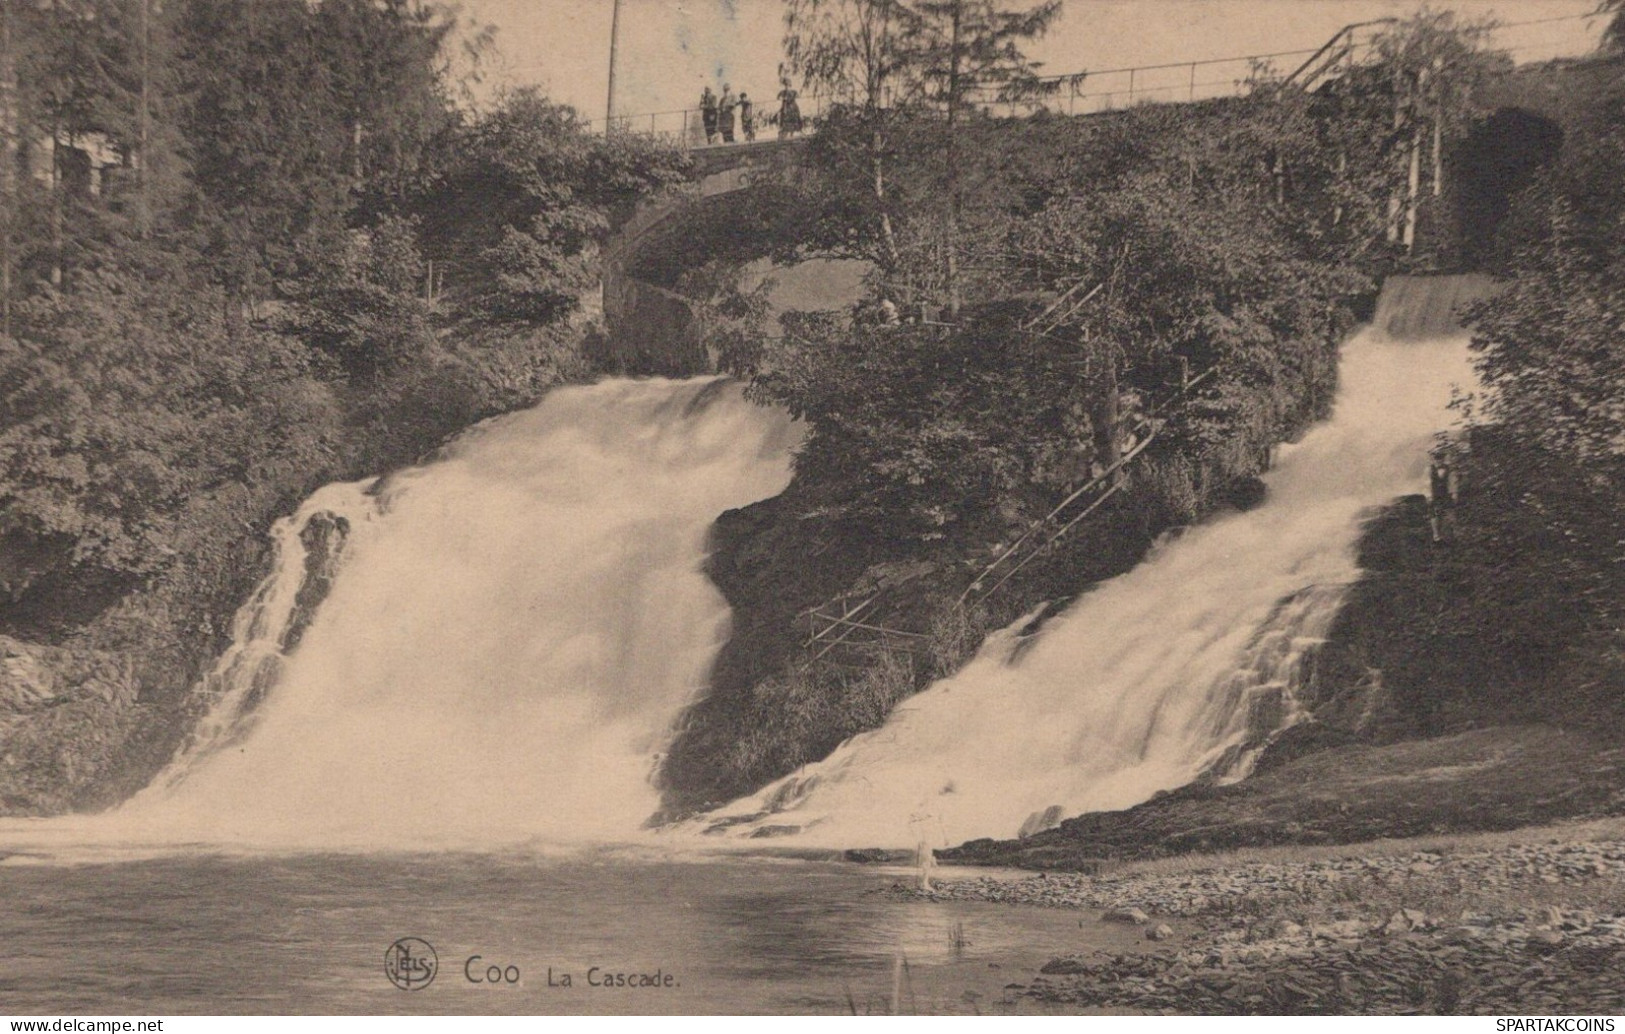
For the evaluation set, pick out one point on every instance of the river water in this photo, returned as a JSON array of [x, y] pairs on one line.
[[307, 933]]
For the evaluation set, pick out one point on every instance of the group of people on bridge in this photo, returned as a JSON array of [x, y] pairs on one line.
[[717, 114]]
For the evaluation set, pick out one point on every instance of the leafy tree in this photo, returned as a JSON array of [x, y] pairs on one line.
[[1417, 92], [1614, 31], [972, 48], [360, 299], [121, 400], [131, 386], [1532, 578], [521, 198], [732, 319], [386, 62], [895, 66], [1550, 345]]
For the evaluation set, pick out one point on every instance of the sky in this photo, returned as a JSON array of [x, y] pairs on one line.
[[670, 49]]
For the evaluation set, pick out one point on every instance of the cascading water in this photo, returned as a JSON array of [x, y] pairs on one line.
[[307, 550], [1174, 670], [516, 626], [491, 648]]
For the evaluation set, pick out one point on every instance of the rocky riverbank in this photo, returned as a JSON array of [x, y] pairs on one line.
[[1477, 925], [1498, 778]]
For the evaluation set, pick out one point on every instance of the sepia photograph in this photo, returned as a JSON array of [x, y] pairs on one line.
[[884, 508]]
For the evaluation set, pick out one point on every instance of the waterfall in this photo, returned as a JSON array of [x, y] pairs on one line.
[[491, 648], [1416, 308], [1176, 670], [308, 548], [513, 630]]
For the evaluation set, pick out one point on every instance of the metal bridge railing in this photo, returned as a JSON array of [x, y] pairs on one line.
[[1108, 89], [685, 127]]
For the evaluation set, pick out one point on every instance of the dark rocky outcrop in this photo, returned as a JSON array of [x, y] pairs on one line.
[[777, 560], [1490, 779], [64, 714], [323, 536]]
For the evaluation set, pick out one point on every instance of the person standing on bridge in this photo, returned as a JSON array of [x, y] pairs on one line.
[[747, 117], [708, 114], [789, 111], [725, 114]]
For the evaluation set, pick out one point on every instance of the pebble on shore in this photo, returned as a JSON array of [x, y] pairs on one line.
[[1243, 961]]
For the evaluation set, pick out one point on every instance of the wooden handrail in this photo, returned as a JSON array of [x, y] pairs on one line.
[[1345, 31], [1093, 483], [1068, 526]]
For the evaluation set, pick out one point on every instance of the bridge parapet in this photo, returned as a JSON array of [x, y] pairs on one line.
[[653, 329]]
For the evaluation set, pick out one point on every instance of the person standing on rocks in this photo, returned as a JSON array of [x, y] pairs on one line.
[[747, 117], [1444, 484], [708, 114], [1441, 497], [725, 114]]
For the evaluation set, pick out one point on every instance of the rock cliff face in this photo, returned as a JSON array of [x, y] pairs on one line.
[[771, 563], [88, 720], [64, 715], [778, 697]]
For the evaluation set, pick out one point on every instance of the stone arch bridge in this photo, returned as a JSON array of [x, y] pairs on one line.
[[735, 209]]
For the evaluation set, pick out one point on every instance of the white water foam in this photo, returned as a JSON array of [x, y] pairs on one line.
[[514, 629], [1152, 678]]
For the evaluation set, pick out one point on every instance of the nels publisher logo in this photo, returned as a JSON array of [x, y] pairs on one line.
[[410, 963]]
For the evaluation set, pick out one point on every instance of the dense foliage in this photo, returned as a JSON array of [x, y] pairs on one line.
[[1542, 536], [925, 426], [235, 239]]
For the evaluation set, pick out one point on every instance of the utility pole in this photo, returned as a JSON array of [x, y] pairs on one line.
[[8, 161], [614, 49], [952, 270], [143, 149]]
